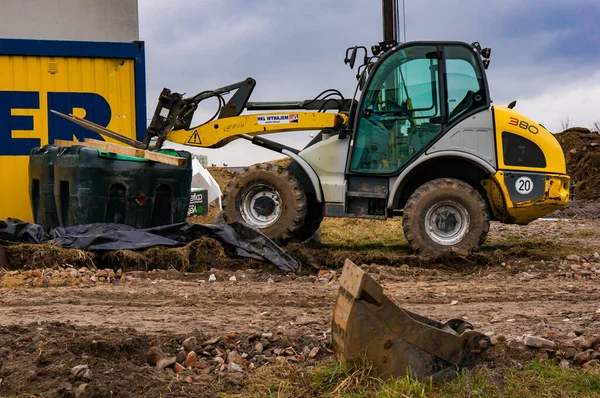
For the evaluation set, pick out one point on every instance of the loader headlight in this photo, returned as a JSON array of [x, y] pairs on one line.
[[486, 52]]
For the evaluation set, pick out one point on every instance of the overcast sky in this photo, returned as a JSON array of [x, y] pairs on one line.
[[545, 53]]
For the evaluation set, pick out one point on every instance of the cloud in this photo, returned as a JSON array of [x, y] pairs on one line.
[[577, 102], [544, 54]]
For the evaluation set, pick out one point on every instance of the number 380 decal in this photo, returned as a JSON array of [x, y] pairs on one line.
[[523, 124]]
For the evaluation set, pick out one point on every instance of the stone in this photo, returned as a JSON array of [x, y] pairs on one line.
[[270, 280], [73, 273], [190, 344], [36, 273], [154, 354], [590, 364], [597, 256], [212, 278], [538, 342], [181, 356], [575, 267], [289, 352], [586, 265], [188, 379], [212, 341], [578, 332], [314, 352], [583, 343], [564, 364], [582, 357], [235, 357], [233, 279], [201, 364], [178, 368], [102, 273], [119, 273], [569, 353], [79, 390], [219, 360], [322, 273], [267, 335], [81, 372], [93, 278], [234, 367], [168, 362], [501, 337], [573, 257], [190, 360], [259, 348]]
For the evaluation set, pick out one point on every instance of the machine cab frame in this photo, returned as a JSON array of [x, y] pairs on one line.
[[414, 94]]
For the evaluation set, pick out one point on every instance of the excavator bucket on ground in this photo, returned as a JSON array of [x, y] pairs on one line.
[[396, 341]]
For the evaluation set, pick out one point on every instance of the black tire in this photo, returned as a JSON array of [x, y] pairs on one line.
[[445, 214], [283, 192], [312, 221]]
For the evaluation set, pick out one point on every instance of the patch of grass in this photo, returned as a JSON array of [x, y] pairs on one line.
[[513, 238], [537, 379], [583, 233], [357, 379], [358, 234]]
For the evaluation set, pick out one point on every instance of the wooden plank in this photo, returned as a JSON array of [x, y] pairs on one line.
[[127, 151], [114, 148], [162, 158], [67, 143]]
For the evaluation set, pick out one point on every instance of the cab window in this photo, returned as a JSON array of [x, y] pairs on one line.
[[465, 85], [395, 118]]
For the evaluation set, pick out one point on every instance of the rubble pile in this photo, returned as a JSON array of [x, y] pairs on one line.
[[234, 353], [582, 153]]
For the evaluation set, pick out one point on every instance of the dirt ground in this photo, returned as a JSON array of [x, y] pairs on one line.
[[521, 283]]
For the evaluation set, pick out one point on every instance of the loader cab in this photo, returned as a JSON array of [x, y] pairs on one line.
[[414, 94]]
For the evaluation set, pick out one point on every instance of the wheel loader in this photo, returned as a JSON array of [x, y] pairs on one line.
[[420, 139]]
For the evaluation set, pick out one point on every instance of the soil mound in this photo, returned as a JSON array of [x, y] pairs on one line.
[[582, 153]]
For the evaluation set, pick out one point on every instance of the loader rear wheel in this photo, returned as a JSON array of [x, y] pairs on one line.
[[267, 197], [444, 214]]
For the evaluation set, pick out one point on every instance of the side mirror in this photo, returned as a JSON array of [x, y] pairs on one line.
[[352, 59]]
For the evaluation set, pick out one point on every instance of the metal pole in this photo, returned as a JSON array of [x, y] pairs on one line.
[[390, 20]]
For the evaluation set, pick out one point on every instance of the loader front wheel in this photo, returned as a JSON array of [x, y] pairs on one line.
[[267, 197], [444, 214]]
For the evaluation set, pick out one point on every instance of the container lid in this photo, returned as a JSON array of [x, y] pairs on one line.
[[115, 156]]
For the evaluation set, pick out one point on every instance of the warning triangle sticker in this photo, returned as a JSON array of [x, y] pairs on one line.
[[195, 138]]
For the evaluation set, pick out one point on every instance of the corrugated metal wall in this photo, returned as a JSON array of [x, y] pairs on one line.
[[102, 90]]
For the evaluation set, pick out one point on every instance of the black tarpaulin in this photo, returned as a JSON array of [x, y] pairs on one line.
[[239, 239]]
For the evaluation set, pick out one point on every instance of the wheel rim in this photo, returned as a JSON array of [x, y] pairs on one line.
[[261, 206], [447, 223]]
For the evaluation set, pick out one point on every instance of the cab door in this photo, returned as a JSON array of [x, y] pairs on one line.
[[400, 111], [414, 95]]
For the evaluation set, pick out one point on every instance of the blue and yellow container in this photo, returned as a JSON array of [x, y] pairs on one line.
[[102, 82]]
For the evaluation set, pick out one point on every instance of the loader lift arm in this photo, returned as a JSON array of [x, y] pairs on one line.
[[173, 116]]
